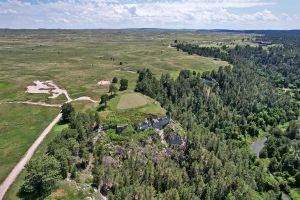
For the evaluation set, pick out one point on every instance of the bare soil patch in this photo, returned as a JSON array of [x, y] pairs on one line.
[[103, 82], [47, 87]]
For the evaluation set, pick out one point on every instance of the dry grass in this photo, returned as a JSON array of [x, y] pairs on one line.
[[59, 193]]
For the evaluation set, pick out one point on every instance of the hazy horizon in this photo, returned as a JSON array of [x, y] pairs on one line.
[[153, 28], [162, 14]]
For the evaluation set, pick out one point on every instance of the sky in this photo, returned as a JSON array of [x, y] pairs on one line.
[[171, 14]]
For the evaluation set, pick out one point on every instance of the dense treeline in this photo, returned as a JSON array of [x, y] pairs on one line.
[[279, 65], [238, 100], [206, 168], [289, 39], [282, 148], [66, 154], [142, 168]]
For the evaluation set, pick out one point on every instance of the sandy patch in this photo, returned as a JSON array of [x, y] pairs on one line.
[[47, 87], [103, 82], [170, 46], [85, 99], [39, 87]]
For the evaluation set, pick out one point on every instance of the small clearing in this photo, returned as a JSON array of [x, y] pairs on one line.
[[131, 100]]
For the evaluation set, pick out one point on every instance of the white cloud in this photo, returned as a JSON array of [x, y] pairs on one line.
[[137, 13]]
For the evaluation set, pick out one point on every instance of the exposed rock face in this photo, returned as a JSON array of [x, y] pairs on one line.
[[156, 122], [172, 135], [174, 140]]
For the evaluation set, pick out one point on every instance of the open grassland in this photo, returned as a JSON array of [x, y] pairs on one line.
[[20, 125], [77, 60]]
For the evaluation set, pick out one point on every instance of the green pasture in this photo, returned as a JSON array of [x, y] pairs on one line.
[[20, 125], [131, 100], [136, 108], [76, 61]]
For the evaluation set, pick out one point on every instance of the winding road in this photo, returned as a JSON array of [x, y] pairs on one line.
[[21, 164], [28, 155]]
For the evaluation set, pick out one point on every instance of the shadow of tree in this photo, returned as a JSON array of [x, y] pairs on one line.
[[101, 107], [30, 196]]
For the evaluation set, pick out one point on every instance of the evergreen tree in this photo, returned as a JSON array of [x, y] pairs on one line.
[[104, 98], [41, 177], [67, 112], [123, 84]]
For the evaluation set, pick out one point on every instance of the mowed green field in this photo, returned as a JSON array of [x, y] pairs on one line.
[[77, 60], [131, 100], [20, 125], [131, 107]]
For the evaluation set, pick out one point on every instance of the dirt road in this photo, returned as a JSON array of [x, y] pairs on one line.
[[34, 103], [19, 167], [21, 164]]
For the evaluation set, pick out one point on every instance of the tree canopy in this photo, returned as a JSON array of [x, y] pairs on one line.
[[42, 176], [123, 84]]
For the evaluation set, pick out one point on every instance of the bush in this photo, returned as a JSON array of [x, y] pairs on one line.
[[115, 80], [123, 84], [114, 136]]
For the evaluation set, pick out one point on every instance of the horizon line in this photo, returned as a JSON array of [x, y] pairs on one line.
[[140, 28]]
